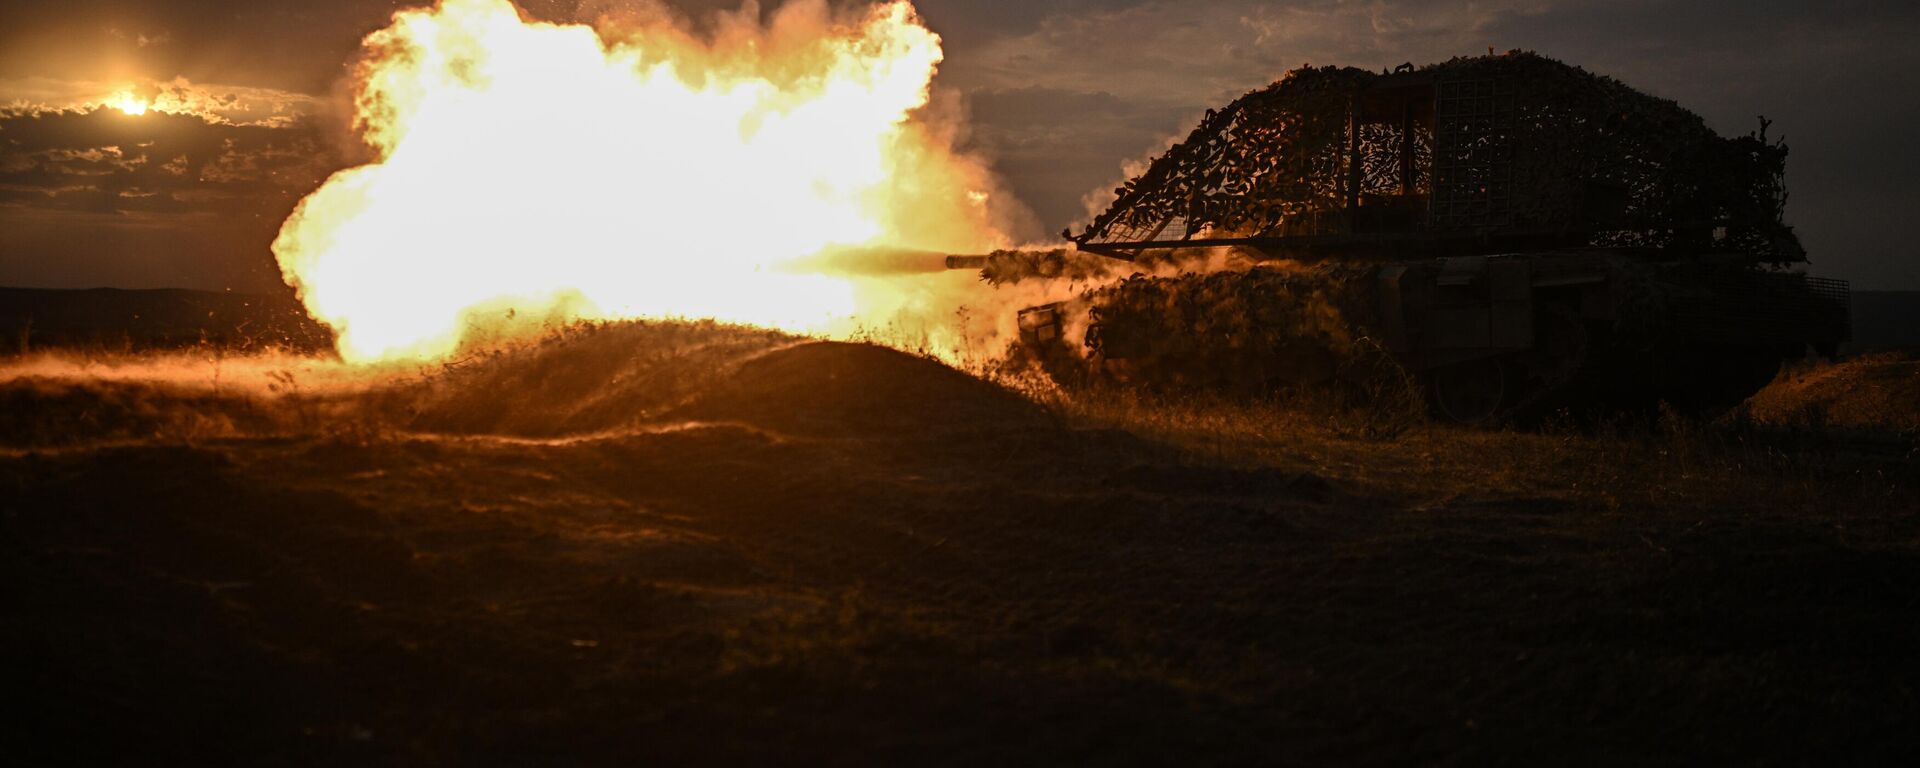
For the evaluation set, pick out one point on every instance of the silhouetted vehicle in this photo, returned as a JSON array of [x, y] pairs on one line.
[[1512, 230]]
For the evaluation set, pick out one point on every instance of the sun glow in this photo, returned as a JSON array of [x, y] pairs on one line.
[[531, 171], [128, 103]]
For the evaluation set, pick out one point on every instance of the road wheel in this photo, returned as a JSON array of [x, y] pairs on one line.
[[1473, 392]]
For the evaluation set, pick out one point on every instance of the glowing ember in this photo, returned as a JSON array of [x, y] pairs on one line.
[[531, 170]]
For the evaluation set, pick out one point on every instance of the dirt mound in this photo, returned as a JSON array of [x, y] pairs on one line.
[[1877, 392], [842, 389], [589, 379], [584, 379], [623, 375]]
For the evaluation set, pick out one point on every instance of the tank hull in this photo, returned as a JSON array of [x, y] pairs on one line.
[[1488, 336]]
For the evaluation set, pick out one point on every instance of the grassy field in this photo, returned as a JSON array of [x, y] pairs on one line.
[[675, 543]]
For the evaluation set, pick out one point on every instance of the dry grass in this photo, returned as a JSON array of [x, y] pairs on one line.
[[1871, 393], [1665, 461], [574, 379], [1828, 437], [745, 549]]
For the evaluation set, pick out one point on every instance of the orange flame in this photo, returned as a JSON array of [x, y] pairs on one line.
[[535, 170]]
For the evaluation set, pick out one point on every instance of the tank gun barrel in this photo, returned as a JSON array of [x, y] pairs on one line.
[[873, 261]]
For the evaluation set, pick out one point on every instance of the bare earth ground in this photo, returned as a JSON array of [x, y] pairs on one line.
[[667, 544]]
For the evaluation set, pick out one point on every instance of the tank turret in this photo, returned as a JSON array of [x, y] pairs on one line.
[[1512, 230]]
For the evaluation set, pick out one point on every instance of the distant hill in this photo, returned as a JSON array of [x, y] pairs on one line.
[[40, 318], [1885, 320]]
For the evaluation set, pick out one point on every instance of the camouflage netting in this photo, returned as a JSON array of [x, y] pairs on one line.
[[1512, 143], [1004, 267], [1012, 266], [1233, 329]]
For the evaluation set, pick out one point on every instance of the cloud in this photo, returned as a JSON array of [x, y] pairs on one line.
[[1068, 103], [213, 102], [141, 39], [98, 197], [1184, 51], [104, 161], [195, 149], [1052, 144], [1193, 53]]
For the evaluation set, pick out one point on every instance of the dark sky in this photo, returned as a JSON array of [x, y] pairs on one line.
[[1061, 93]]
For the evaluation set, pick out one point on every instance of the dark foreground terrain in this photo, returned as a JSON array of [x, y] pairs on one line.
[[654, 544]]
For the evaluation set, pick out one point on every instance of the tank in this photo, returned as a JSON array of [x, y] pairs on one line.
[[1513, 232]]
